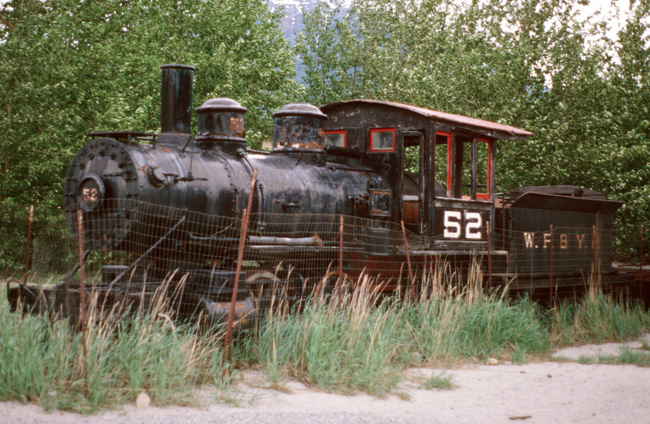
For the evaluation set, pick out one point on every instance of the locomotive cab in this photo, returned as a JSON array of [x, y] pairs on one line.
[[439, 167]]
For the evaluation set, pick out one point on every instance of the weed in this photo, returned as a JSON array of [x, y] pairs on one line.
[[597, 318], [518, 356], [634, 357], [440, 381], [586, 360], [227, 392], [42, 360]]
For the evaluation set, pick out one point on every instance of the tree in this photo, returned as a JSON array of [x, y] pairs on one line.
[[530, 63], [627, 123], [70, 67]]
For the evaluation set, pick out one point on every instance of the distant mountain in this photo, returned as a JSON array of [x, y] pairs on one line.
[[292, 21]]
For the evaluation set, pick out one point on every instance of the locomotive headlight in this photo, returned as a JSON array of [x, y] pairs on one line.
[[90, 193]]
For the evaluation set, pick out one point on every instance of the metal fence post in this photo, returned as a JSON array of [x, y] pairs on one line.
[[551, 300], [408, 261], [340, 282], [29, 241], [489, 253], [227, 351], [82, 290]]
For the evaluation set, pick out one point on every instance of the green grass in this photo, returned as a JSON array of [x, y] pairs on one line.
[[42, 361], [440, 381], [634, 357], [627, 357], [597, 319], [362, 342], [346, 347]]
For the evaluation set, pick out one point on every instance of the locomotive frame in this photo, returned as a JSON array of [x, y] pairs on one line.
[[373, 162]]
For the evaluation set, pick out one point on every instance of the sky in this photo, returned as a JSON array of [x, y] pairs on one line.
[[593, 6], [604, 7]]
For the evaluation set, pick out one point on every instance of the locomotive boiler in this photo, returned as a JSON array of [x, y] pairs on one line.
[[208, 174], [171, 202]]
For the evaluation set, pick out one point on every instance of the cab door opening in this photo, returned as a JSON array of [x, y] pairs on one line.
[[412, 183]]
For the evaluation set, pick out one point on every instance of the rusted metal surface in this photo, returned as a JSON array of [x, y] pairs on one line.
[[340, 281], [176, 94], [533, 200], [298, 128], [563, 190], [574, 243], [408, 262], [550, 270], [244, 313], [82, 288], [221, 125], [504, 132], [489, 257]]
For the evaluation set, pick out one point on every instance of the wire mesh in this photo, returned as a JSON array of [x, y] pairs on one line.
[[158, 259], [135, 247]]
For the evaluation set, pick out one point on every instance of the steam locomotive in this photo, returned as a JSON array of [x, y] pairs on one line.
[[173, 202]]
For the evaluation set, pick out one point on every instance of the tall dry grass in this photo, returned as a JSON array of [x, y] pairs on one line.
[[363, 341], [42, 360], [360, 341]]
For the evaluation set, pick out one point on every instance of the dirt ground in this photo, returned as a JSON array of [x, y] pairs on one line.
[[546, 392]]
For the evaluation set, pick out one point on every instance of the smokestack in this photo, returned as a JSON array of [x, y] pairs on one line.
[[176, 107]]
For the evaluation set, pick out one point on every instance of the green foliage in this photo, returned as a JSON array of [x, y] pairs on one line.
[[346, 349], [633, 357], [440, 381], [457, 328], [597, 319], [68, 68], [534, 64]]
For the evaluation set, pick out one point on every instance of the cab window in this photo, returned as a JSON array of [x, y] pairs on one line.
[[382, 140], [336, 138]]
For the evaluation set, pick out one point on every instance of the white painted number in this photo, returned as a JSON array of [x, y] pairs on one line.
[[474, 221], [452, 223], [452, 228]]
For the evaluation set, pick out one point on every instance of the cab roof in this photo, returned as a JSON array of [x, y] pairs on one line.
[[493, 129]]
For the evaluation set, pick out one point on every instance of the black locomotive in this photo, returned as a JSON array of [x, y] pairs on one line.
[[173, 202]]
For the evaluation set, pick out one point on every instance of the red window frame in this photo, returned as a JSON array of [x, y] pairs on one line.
[[479, 196], [449, 163], [345, 136], [488, 195], [377, 130]]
